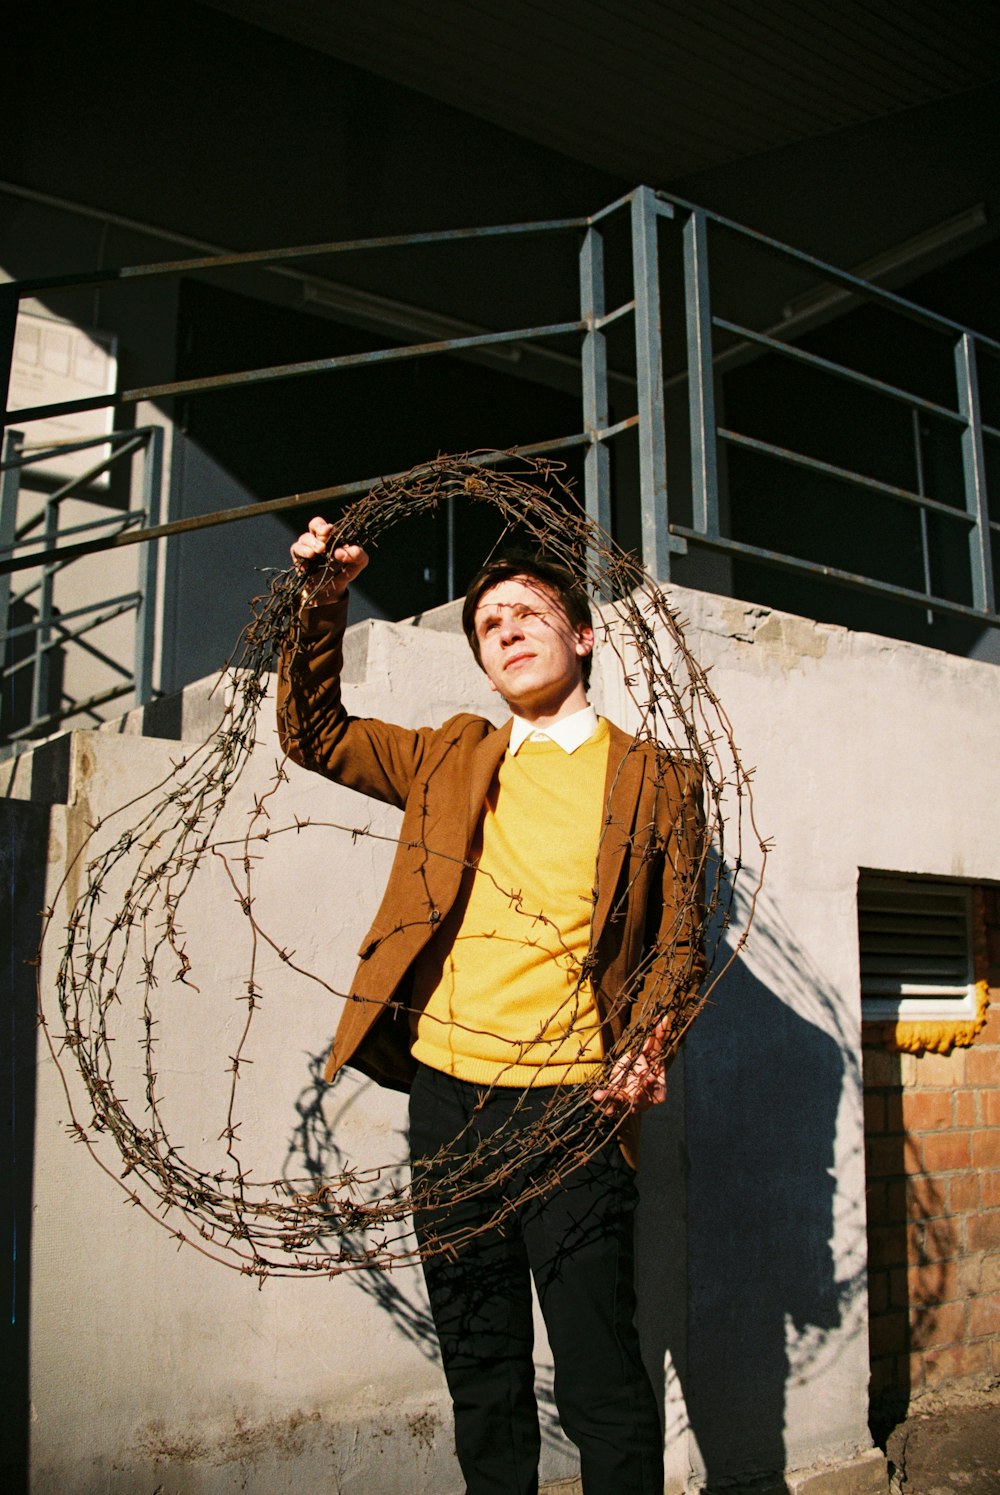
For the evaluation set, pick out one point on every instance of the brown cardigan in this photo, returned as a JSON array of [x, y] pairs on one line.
[[649, 862]]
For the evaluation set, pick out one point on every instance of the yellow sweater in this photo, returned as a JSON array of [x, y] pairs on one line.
[[498, 993]]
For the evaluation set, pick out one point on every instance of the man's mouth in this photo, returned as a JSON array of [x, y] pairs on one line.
[[513, 659]]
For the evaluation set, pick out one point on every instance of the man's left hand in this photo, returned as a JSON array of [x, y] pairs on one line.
[[636, 1082]]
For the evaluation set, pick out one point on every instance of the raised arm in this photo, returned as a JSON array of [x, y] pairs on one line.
[[374, 757], [309, 552]]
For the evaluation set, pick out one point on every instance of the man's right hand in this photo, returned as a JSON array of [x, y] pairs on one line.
[[309, 551]]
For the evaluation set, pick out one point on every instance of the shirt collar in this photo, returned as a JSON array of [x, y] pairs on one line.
[[569, 733]]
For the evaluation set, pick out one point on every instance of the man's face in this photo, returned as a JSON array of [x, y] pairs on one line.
[[531, 653]]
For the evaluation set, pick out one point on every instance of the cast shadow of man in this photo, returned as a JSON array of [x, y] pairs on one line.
[[751, 1206], [735, 1245]]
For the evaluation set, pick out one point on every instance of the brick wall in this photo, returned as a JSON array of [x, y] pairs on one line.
[[932, 1130]]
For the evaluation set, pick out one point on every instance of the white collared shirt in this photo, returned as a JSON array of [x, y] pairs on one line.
[[569, 733]]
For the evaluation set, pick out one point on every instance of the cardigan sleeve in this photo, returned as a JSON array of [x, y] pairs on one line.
[[374, 757]]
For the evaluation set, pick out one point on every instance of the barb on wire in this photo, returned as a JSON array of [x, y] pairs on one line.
[[124, 947]]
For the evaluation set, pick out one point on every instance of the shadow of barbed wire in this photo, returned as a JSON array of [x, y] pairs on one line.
[[127, 895], [315, 1154]]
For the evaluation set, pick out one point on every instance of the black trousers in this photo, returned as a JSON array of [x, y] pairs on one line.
[[567, 1224]]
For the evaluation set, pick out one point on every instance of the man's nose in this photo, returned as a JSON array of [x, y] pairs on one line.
[[510, 629]]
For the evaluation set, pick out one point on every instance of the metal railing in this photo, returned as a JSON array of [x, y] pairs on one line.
[[31, 645], [674, 515]]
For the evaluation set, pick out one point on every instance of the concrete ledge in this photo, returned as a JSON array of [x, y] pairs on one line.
[[865, 1474]]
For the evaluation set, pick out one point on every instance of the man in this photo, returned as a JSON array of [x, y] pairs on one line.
[[542, 910]]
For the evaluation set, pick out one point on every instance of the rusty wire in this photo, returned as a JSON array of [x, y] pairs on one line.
[[359, 1217]]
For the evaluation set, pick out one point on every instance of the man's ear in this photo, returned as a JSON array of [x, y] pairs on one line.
[[584, 642]]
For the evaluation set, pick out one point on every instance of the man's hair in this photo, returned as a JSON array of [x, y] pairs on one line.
[[567, 589]]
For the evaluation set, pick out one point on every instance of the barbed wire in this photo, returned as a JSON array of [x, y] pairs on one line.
[[359, 1216]]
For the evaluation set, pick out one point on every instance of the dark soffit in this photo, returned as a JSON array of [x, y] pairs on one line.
[[655, 90]]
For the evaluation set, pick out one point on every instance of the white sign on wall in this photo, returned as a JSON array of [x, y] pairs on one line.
[[56, 361]]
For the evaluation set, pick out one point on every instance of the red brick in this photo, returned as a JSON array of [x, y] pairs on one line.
[[874, 1109], [886, 1247], [899, 1288], [945, 1152], [984, 1315], [932, 1283], [878, 1292], [989, 1188], [937, 1325], [968, 1273], [983, 1066], [990, 1102], [983, 1231], [990, 1272], [986, 1147], [967, 1107], [926, 1197], [926, 1110], [880, 1068], [934, 1240], [877, 1203], [963, 1193], [894, 1110], [888, 1334], [885, 1157], [914, 1373], [990, 1032], [895, 1201], [958, 1362], [942, 1069]]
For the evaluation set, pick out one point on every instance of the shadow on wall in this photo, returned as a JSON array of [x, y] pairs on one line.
[[763, 1085], [763, 1088], [23, 828], [314, 1153]]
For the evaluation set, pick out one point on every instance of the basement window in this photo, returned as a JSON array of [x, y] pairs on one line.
[[915, 940]]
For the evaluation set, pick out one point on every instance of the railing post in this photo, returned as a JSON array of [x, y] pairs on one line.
[[10, 483], [597, 462], [40, 702], [701, 385], [656, 546], [974, 469], [145, 618], [10, 300]]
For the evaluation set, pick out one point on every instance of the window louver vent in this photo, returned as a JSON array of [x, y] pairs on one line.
[[914, 941]]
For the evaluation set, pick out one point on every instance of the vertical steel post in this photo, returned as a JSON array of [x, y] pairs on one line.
[[10, 483], [597, 462], [145, 618], [925, 547], [10, 300], [40, 703], [701, 378], [649, 376], [974, 470], [450, 538]]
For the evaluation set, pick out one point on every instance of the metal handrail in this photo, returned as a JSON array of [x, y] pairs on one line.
[[663, 535], [21, 548]]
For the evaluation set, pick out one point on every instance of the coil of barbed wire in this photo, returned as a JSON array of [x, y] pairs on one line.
[[121, 948]]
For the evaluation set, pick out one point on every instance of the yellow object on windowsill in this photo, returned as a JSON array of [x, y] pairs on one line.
[[938, 1037]]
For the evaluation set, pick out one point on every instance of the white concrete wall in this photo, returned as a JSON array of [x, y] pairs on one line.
[[152, 1365]]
